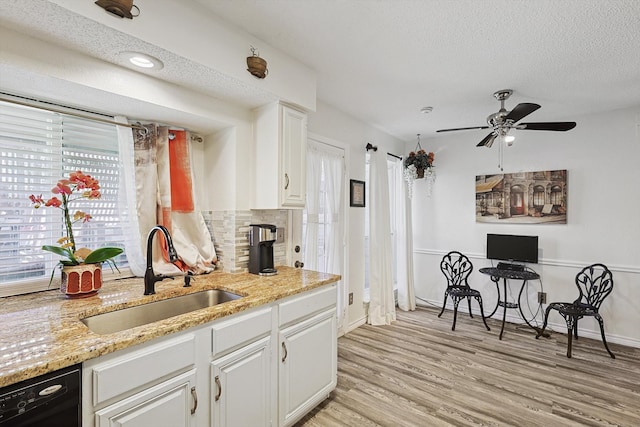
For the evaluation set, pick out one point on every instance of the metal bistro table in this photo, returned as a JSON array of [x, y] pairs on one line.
[[497, 274]]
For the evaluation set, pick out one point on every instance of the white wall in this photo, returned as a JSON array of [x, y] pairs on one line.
[[211, 42], [336, 125], [601, 156]]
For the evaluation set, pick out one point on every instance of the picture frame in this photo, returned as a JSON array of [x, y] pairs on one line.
[[538, 197], [357, 194]]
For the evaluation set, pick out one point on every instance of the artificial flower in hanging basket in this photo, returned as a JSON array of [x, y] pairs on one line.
[[81, 268], [418, 165]]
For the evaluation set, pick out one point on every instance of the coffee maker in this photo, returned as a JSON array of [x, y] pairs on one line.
[[261, 238]]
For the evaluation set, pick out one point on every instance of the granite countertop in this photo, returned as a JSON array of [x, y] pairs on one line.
[[41, 332]]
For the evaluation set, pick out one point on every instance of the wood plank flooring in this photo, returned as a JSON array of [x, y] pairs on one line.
[[417, 372]]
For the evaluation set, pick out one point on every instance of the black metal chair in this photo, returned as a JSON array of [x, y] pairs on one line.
[[595, 283], [456, 267]]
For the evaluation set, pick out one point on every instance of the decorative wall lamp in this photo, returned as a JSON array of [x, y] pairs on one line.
[[257, 66], [119, 8]]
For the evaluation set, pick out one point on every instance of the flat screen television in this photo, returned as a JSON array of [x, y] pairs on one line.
[[513, 248]]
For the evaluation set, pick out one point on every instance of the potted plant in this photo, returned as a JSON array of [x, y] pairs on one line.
[[417, 165], [81, 267], [421, 161]]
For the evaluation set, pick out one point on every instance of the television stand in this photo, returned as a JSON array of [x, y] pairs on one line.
[[509, 266]]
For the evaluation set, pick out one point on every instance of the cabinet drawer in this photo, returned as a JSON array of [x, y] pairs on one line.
[[306, 305], [142, 368], [230, 334]]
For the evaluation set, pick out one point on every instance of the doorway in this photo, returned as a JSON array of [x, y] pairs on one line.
[[318, 231], [517, 200]]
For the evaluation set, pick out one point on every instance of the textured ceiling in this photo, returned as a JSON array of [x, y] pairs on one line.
[[382, 60]]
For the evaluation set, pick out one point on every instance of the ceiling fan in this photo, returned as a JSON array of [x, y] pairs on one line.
[[503, 121]]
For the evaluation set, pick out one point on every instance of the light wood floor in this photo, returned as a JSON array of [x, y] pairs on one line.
[[417, 372]]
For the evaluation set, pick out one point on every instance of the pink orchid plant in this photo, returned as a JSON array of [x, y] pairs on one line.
[[77, 186]]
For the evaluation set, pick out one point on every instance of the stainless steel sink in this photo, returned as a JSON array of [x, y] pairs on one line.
[[127, 318]]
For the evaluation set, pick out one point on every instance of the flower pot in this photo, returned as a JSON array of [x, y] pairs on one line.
[[257, 66], [80, 281], [420, 173]]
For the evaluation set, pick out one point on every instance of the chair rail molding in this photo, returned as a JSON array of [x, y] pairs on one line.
[[544, 261]]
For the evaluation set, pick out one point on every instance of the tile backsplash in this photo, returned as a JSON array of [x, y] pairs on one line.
[[230, 234]]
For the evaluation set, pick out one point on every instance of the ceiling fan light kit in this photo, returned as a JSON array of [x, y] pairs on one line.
[[503, 121]]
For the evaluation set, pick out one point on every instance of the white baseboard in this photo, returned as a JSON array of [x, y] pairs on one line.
[[356, 324]]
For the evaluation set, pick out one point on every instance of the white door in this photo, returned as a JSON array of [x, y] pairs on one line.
[[241, 387], [169, 404], [330, 229], [308, 365]]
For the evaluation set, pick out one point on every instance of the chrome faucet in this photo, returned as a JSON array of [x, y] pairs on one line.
[[150, 278]]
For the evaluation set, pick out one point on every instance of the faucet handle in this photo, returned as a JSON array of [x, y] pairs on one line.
[[187, 279]]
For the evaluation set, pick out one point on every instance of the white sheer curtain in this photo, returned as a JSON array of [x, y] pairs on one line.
[[334, 173], [324, 212], [325, 183], [402, 205], [314, 178], [382, 310], [132, 244]]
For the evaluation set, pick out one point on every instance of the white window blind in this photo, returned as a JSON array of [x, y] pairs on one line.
[[38, 148]]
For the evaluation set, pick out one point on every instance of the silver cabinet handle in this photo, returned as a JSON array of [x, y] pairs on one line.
[[284, 348], [286, 177], [219, 388], [195, 400]]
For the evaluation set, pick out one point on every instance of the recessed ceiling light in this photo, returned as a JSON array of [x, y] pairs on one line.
[[426, 110], [142, 60]]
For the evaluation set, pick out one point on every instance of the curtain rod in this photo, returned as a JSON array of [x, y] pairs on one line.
[[375, 148], [70, 113]]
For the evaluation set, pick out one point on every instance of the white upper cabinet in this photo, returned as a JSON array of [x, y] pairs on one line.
[[281, 157]]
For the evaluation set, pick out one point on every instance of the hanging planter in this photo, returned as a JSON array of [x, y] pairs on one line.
[[419, 165]]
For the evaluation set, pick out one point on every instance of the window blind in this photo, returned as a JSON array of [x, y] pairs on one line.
[[37, 148]]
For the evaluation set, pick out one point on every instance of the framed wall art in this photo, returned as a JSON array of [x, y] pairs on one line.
[[523, 197], [357, 193]]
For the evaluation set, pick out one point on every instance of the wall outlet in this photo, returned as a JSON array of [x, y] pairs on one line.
[[542, 297], [350, 298]]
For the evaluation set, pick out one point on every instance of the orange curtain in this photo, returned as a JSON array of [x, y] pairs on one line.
[[165, 196]]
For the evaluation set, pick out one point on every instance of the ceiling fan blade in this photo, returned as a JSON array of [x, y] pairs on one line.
[[474, 127], [487, 141], [521, 110], [556, 126]]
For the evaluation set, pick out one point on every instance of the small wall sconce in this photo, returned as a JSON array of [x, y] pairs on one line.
[[257, 66], [119, 8]]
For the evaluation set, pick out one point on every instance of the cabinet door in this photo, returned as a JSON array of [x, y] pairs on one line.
[[241, 387], [308, 365], [167, 404], [294, 158]]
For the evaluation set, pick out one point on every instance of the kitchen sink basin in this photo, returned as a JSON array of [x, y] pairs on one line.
[[127, 318]]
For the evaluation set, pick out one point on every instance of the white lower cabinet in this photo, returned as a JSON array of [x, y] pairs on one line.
[[308, 365], [171, 404], [308, 369], [153, 384], [242, 387], [267, 366]]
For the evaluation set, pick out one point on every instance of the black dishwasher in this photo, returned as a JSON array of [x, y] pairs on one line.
[[51, 400]]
